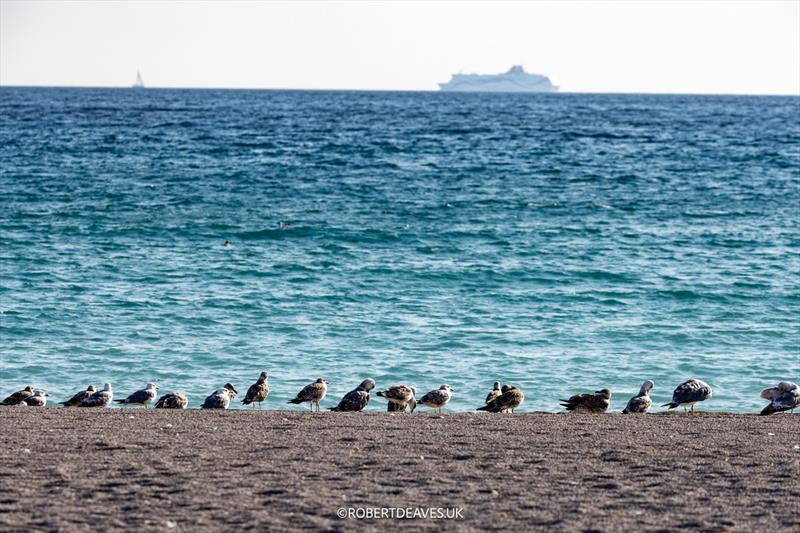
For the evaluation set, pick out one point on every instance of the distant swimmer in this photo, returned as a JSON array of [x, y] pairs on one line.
[[641, 402], [258, 391], [220, 398], [100, 398], [19, 396], [589, 403], [401, 397], [357, 399], [227, 244], [436, 399], [142, 397], [283, 225], [76, 400], [313, 393], [172, 400], [688, 393]]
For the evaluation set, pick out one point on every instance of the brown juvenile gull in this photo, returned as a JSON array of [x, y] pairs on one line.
[[401, 397], [76, 400], [436, 399], [100, 398], [38, 399], [258, 391], [18, 396], [172, 400], [220, 398], [589, 403], [784, 397], [688, 393], [641, 402], [509, 399], [494, 393], [773, 392], [357, 399], [142, 397], [312, 393]]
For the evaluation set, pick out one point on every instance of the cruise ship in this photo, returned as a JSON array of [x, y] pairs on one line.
[[516, 80]]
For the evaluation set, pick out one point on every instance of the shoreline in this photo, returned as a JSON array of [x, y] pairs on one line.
[[153, 469]]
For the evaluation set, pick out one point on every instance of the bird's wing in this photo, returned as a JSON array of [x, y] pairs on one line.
[[309, 393], [770, 393]]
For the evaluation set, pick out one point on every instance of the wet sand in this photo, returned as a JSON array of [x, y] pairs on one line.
[[75, 469]]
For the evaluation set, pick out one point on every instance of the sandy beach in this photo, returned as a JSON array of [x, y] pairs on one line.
[[72, 469]]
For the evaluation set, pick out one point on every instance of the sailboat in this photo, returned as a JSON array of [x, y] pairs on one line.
[[139, 83]]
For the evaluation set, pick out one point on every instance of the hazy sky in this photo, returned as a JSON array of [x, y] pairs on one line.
[[672, 46]]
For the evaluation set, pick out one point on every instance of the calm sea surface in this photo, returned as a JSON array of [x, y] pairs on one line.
[[559, 242]]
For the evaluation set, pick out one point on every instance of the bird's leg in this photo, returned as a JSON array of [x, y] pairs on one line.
[[693, 409]]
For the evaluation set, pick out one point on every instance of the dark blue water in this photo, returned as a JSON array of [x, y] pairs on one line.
[[559, 242]]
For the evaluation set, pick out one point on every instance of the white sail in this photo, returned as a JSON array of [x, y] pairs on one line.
[[139, 82]]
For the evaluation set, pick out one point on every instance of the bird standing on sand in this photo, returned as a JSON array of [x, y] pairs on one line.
[[258, 391], [641, 402], [496, 392], [312, 393], [76, 400], [589, 403], [37, 399], [401, 397], [436, 399], [172, 400], [220, 398], [784, 397], [510, 398], [100, 398], [142, 397], [688, 393], [357, 399], [19, 396]]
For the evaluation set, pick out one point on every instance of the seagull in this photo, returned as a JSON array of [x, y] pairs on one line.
[[641, 402], [76, 400], [313, 393], [258, 391], [589, 403], [220, 398], [142, 397], [38, 399], [19, 396], [172, 400], [784, 397], [509, 399], [436, 399], [773, 392], [357, 399], [401, 397], [688, 393], [494, 393], [100, 398]]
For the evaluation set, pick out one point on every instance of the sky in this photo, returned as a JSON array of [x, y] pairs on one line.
[[730, 47]]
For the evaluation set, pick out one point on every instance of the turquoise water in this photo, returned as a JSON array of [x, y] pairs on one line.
[[559, 242]]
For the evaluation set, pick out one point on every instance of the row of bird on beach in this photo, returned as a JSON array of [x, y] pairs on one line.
[[785, 396]]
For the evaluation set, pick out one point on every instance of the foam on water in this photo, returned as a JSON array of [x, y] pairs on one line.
[[559, 242]]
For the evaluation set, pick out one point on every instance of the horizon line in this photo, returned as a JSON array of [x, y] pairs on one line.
[[316, 89]]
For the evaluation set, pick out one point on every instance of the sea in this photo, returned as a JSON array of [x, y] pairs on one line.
[[561, 243]]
